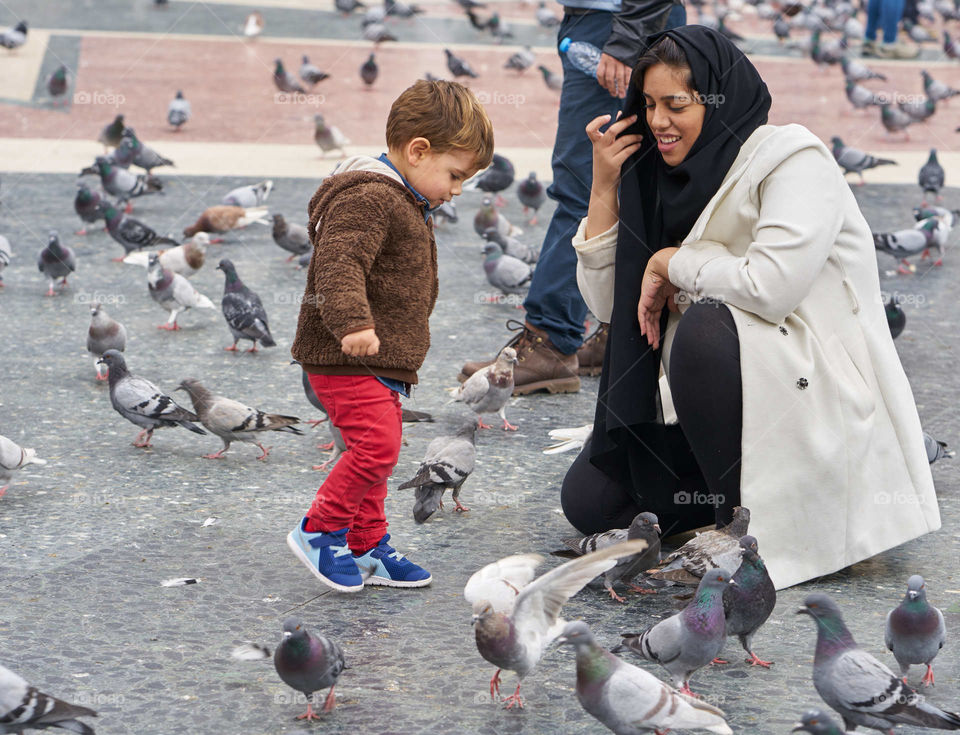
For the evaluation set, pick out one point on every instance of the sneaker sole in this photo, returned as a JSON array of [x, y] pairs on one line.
[[563, 385], [298, 552], [384, 582]]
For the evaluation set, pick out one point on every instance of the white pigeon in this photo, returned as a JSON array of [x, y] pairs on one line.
[[253, 25], [186, 259], [249, 196], [567, 439], [13, 457], [173, 292], [23, 707]]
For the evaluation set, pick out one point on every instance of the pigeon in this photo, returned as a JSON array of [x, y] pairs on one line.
[[284, 80], [919, 109], [337, 443], [104, 334], [629, 700], [377, 32], [120, 157], [515, 620], [243, 311], [11, 38], [748, 602], [949, 216], [112, 134], [494, 179], [857, 72], [511, 246], [521, 60], [931, 177], [781, 28], [858, 686], [817, 722], [143, 156], [489, 216], [689, 640], [249, 196], [348, 6], [13, 457], [23, 707], [6, 255], [710, 549], [369, 71], [457, 66], [400, 9], [936, 449], [308, 663], [567, 439], [291, 237], [304, 260], [504, 272], [896, 319], [186, 259], [498, 27], [224, 218], [853, 160], [532, 195], [178, 111], [825, 55], [895, 120], [142, 403], [645, 527], [233, 421], [861, 97], [545, 17], [57, 82], [311, 74], [131, 233], [253, 25], [553, 80], [904, 243], [915, 630], [328, 137], [56, 261], [489, 389], [173, 292], [937, 90], [448, 462], [89, 206], [124, 185]]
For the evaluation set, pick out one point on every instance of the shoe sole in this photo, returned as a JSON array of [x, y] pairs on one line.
[[563, 385], [305, 560], [384, 582]]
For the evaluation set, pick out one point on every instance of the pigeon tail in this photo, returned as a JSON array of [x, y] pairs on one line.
[[427, 502], [193, 427]]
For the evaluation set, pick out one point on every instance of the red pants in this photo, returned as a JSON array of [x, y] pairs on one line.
[[368, 415]]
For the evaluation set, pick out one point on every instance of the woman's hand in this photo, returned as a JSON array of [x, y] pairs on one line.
[[609, 151], [655, 292]]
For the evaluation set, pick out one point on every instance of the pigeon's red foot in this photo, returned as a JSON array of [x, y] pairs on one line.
[[500, 201], [81, 232], [614, 595], [309, 714], [315, 423], [215, 455], [330, 702], [326, 447], [480, 424], [460, 507], [265, 450], [129, 208], [169, 327], [642, 590], [507, 426], [938, 262], [495, 684], [718, 661], [231, 349], [253, 349], [925, 254], [755, 660], [3, 490], [685, 689], [927, 679], [514, 699]]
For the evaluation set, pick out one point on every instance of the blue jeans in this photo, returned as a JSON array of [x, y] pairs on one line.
[[554, 303], [886, 14]]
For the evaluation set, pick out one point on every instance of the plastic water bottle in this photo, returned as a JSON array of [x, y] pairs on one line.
[[584, 56]]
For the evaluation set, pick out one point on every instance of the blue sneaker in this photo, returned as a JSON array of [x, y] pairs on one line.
[[327, 556], [385, 565]]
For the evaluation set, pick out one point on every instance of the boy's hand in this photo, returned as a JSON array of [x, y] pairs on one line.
[[361, 344]]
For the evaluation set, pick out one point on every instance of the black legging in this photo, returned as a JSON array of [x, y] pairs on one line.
[[707, 393]]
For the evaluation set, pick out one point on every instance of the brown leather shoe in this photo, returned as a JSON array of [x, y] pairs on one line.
[[540, 366], [590, 354]]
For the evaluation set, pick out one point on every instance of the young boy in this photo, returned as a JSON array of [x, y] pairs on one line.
[[364, 331]]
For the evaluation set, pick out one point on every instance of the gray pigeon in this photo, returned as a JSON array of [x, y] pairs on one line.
[[936, 449], [857, 72], [457, 66], [919, 110], [88, 205], [377, 32], [904, 243], [817, 722], [124, 185], [311, 73], [545, 16], [284, 80], [348, 6], [489, 216], [689, 640], [142, 403], [748, 602], [714, 548], [401, 9], [915, 630], [522, 59], [173, 292], [644, 526], [337, 444], [233, 421], [937, 90], [489, 389], [112, 133], [251, 195], [243, 310], [532, 195], [291, 237], [515, 622], [369, 71], [448, 462], [861, 97], [629, 700], [13, 457], [132, 234], [494, 179], [895, 120], [552, 80], [931, 177], [511, 246], [853, 160], [504, 272], [23, 707], [327, 136], [6, 255], [178, 111], [143, 155], [56, 261], [104, 334], [11, 38], [860, 688]]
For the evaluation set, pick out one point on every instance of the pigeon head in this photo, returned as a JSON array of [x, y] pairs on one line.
[[226, 265], [190, 385], [740, 523], [815, 721], [153, 260], [492, 234], [916, 587], [467, 431], [53, 241], [113, 360], [22, 26], [826, 613], [576, 633], [492, 250], [318, 119], [96, 309], [748, 547], [482, 611], [643, 522], [179, 94], [716, 579], [292, 626], [507, 355]]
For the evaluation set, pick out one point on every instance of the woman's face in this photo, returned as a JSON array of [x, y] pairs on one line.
[[673, 113]]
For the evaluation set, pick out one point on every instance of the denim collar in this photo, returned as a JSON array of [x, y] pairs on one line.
[[416, 194]]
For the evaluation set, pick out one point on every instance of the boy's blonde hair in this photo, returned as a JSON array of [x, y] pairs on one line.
[[445, 113]]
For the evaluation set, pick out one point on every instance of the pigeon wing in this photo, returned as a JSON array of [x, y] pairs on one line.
[[501, 581]]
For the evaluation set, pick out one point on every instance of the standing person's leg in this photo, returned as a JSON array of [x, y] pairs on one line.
[[910, 11], [891, 11], [873, 22]]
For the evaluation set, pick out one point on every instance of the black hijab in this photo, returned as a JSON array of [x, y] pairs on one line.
[[658, 206]]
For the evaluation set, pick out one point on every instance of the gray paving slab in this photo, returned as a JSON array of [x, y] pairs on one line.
[[88, 538]]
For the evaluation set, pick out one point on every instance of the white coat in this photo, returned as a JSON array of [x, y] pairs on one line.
[[833, 468]]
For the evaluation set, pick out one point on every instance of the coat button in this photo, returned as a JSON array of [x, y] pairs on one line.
[[783, 330], [802, 383]]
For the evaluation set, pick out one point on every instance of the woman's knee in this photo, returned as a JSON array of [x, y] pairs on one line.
[[705, 335]]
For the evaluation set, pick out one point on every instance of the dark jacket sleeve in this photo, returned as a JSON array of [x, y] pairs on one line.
[[353, 230], [636, 20]]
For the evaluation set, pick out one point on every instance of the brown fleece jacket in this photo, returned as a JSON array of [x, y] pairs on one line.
[[374, 265]]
